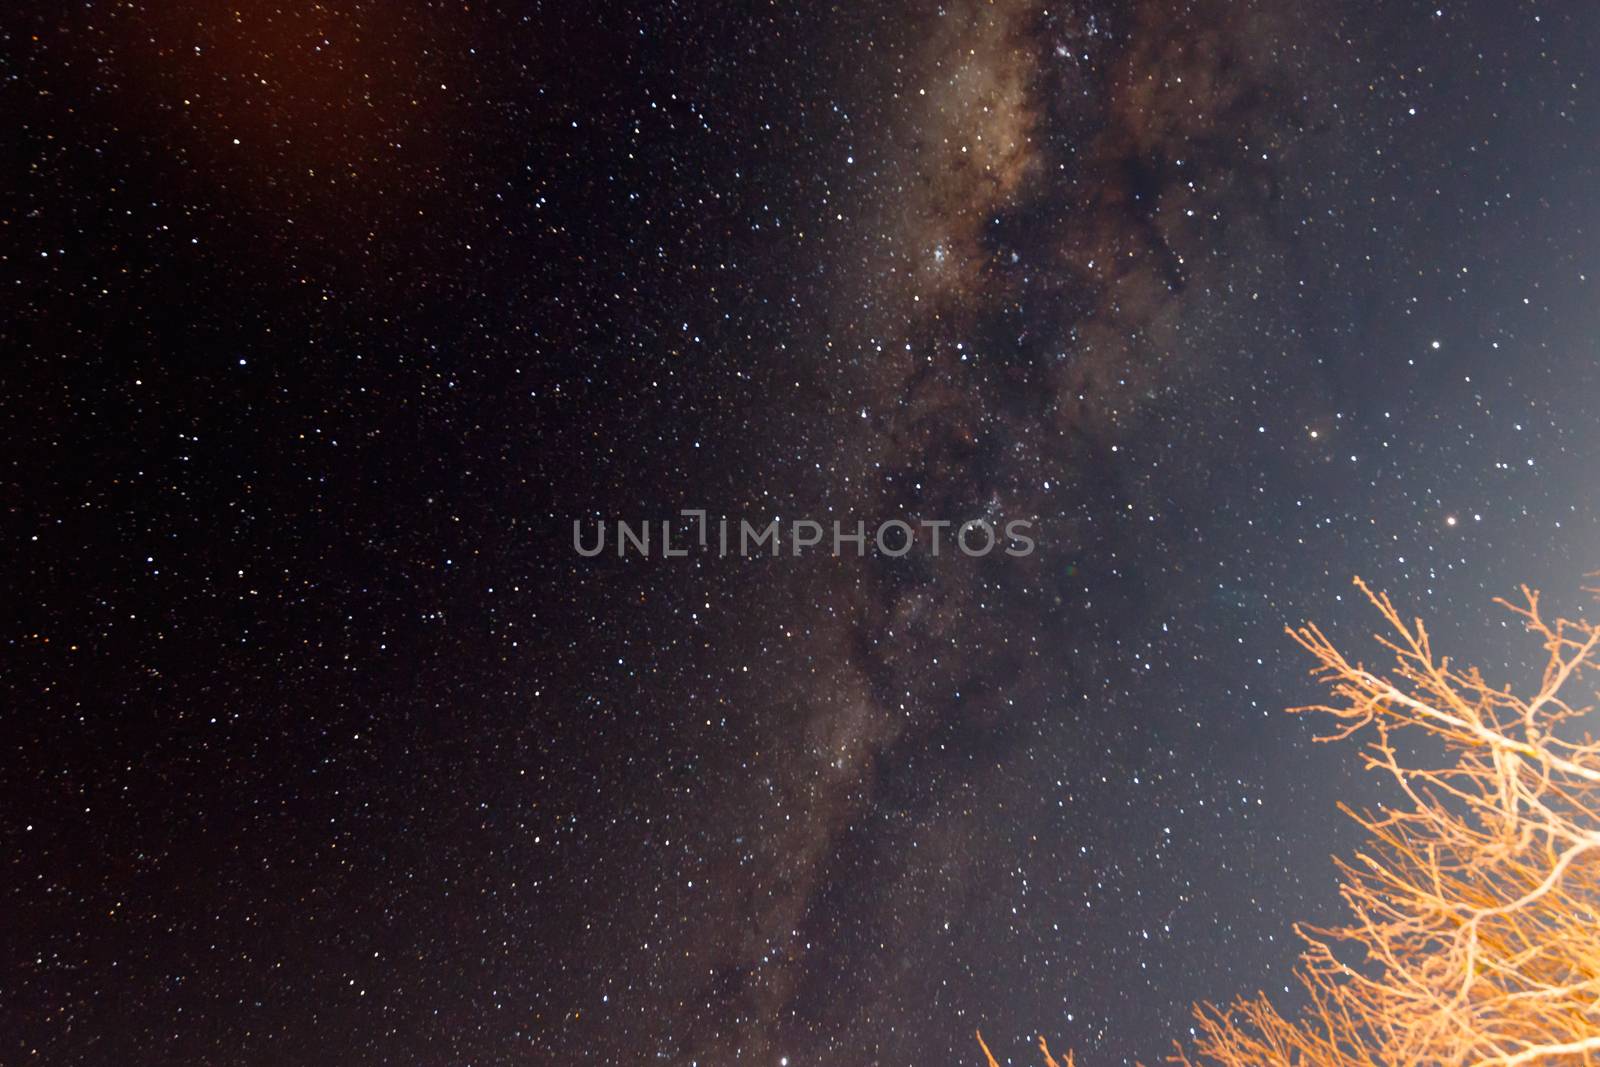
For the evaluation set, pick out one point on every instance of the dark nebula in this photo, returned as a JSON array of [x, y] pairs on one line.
[[324, 324]]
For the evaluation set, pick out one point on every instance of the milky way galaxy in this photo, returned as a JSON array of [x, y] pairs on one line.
[[325, 324]]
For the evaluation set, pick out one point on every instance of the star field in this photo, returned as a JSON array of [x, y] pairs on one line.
[[324, 323]]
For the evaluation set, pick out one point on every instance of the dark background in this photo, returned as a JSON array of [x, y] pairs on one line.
[[324, 322]]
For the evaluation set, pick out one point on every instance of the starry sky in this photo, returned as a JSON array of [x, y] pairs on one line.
[[323, 322]]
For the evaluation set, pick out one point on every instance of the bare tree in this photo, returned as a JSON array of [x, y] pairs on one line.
[[1473, 934], [1044, 1048]]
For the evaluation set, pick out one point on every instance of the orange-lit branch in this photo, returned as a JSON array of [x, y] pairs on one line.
[[1473, 933]]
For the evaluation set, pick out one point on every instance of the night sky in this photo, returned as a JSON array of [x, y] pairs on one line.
[[323, 323]]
